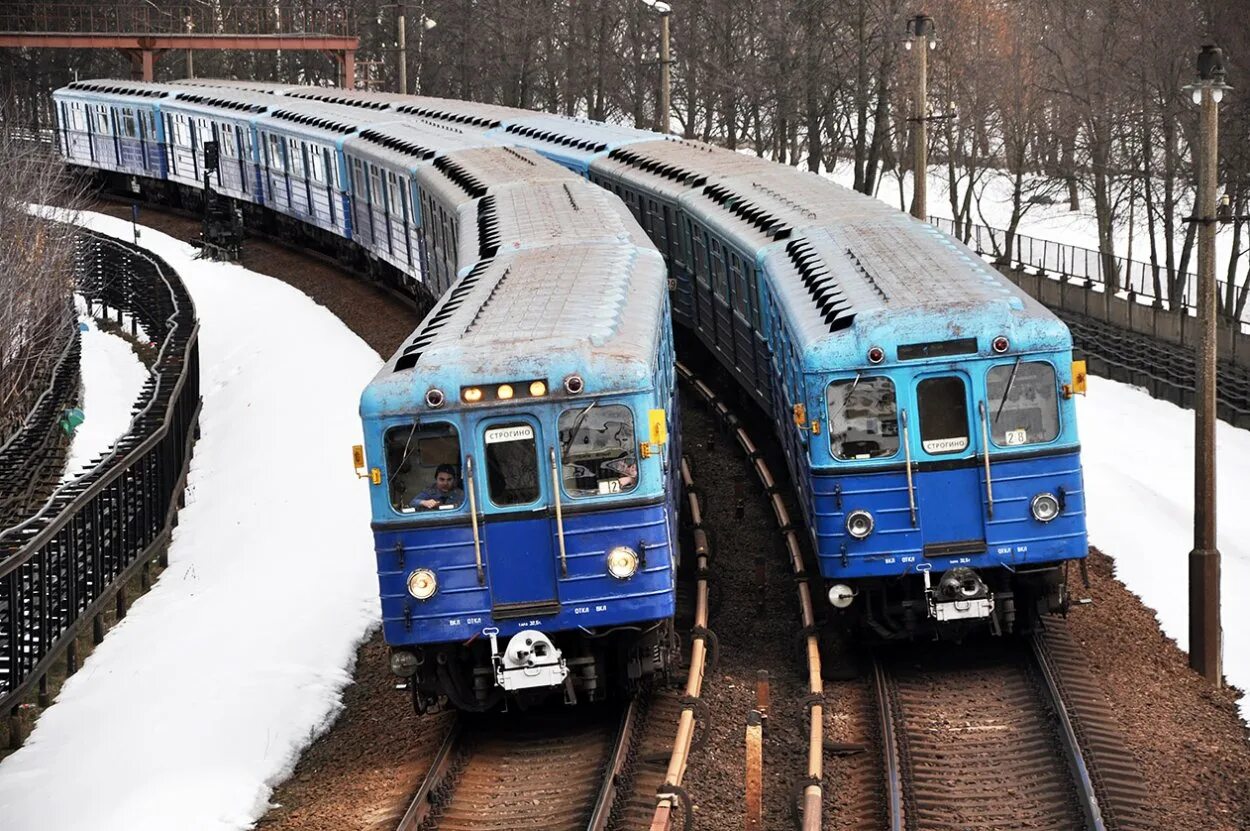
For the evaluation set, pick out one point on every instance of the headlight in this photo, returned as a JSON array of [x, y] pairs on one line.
[[504, 392], [422, 584], [1045, 507], [859, 524], [622, 562]]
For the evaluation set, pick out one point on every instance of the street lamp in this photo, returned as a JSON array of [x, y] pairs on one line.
[[664, 10], [921, 28], [401, 26], [1205, 647]]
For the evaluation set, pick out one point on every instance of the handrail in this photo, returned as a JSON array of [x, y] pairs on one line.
[[555, 490], [911, 490], [985, 443], [477, 540]]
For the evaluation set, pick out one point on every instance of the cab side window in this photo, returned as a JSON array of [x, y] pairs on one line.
[[418, 456]]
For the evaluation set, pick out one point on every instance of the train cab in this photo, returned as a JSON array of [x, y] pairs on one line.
[[944, 483], [523, 468]]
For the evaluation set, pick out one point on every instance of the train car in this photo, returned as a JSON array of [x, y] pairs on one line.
[[524, 485], [302, 165], [192, 119], [386, 210], [113, 126]]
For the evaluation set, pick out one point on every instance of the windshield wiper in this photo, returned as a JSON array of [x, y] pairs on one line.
[[1010, 380], [576, 428], [847, 400]]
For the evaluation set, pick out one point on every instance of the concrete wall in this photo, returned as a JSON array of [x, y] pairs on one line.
[[1163, 324]]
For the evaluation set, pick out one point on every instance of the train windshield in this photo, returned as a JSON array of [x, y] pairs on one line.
[[511, 463], [863, 418], [943, 406], [423, 468], [598, 452], [1024, 403]]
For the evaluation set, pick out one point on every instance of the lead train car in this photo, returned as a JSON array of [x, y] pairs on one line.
[[549, 564]]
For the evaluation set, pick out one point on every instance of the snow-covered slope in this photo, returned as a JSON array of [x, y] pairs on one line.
[[1139, 478], [204, 696]]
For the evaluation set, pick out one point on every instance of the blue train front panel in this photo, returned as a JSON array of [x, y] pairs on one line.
[[898, 490], [457, 592]]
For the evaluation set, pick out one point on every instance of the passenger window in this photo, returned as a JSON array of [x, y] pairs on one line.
[[598, 452], [511, 464], [863, 418], [296, 155], [423, 468], [1023, 403], [943, 406], [275, 154]]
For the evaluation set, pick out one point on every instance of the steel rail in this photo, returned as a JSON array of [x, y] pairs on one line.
[[680, 757], [1080, 769], [889, 749], [813, 784], [423, 802]]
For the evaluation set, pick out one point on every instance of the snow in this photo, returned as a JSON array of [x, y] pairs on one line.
[[201, 700], [112, 379], [1138, 454]]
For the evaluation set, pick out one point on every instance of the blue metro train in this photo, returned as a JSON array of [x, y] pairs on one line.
[[523, 483], [923, 402]]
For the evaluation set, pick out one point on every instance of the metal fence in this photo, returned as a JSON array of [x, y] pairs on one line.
[[1136, 279], [307, 18], [60, 567], [30, 459]]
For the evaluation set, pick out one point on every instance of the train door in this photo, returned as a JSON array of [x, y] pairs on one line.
[[517, 533], [948, 483]]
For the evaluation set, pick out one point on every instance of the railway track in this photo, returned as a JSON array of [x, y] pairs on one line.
[[557, 770], [811, 788], [1013, 734]]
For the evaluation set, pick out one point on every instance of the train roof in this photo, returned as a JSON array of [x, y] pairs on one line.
[[225, 101], [670, 167], [467, 113], [525, 215], [408, 143], [364, 99], [891, 280], [464, 175], [138, 91], [264, 87], [594, 310], [329, 122]]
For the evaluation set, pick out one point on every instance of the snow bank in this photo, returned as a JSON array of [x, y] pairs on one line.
[[1138, 454], [204, 696], [112, 379]]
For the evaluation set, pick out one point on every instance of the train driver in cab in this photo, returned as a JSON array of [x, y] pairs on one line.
[[443, 494]]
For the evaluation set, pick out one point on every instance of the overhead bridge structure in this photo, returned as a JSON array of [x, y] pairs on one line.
[[143, 32]]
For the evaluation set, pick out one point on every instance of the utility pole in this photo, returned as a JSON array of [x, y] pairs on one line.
[[921, 34], [1205, 637], [662, 115], [401, 36], [665, 83]]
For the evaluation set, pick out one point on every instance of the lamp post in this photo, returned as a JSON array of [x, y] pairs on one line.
[[401, 41], [1205, 647], [662, 117], [921, 31]]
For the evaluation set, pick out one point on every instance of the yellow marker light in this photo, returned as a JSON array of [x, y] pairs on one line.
[[657, 421], [504, 392], [358, 456], [471, 394], [538, 388]]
